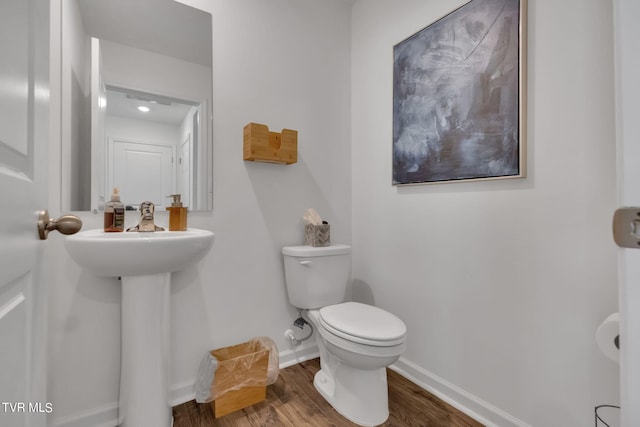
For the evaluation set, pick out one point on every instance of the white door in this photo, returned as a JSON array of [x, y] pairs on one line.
[[627, 31], [24, 86], [142, 171]]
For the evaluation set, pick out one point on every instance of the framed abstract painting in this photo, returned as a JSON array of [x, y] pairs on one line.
[[459, 96]]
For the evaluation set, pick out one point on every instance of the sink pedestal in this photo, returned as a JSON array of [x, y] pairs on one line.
[[144, 377], [144, 261]]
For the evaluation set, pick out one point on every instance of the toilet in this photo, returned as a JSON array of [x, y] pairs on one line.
[[356, 341]]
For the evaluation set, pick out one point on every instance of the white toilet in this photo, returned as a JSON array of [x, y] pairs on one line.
[[356, 341]]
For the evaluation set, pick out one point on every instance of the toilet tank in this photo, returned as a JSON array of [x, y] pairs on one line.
[[316, 276]]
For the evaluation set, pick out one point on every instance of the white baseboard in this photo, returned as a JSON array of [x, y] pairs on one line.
[[107, 415], [460, 399], [298, 354], [104, 416], [182, 393]]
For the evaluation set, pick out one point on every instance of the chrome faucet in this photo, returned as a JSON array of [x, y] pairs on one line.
[[146, 219]]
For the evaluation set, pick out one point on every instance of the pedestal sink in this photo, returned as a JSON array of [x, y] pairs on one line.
[[144, 261]]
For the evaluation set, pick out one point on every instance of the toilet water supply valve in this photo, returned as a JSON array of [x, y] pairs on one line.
[[300, 322]]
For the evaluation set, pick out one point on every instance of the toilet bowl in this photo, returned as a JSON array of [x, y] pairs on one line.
[[356, 341], [352, 376]]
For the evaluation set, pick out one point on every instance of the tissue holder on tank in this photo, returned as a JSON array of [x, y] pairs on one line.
[[317, 235]]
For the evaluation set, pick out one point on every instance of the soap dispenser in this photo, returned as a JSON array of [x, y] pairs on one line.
[[177, 214], [114, 213]]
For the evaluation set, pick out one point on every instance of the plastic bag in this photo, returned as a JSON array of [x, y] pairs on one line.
[[253, 363]]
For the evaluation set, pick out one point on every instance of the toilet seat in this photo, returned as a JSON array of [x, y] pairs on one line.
[[363, 324]]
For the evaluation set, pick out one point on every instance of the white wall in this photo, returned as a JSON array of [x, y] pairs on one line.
[[138, 69], [283, 63], [142, 130], [502, 284]]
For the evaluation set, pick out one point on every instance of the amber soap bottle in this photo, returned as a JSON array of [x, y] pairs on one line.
[[114, 213], [177, 214]]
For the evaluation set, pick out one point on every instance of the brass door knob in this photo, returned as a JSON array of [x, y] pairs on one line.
[[66, 224]]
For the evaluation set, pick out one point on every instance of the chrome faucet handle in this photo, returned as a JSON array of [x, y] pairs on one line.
[[146, 211], [146, 219]]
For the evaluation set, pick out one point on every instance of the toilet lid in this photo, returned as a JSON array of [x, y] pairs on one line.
[[363, 323]]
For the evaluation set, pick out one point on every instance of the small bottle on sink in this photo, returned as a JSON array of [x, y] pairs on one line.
[[177, 214], [114, 213]]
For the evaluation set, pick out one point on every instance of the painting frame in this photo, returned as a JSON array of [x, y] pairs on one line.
[[459, 97]]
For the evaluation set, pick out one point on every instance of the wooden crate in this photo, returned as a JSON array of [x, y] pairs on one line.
[[238, 364]]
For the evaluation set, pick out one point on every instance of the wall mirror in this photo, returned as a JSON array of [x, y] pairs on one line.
[[136, 103]]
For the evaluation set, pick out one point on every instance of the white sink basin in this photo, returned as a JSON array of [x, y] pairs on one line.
[[135, 253], [144, 261]]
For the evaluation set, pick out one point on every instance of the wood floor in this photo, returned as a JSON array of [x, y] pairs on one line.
[[293, 401]]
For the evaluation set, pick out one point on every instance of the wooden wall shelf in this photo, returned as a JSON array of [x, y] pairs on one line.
[[261, 145]]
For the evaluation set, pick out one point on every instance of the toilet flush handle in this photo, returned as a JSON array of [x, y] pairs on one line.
[[306, 262]]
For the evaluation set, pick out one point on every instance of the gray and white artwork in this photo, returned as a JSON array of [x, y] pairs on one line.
[[456, 96]]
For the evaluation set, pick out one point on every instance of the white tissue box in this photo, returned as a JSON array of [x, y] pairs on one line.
[[317, 235]]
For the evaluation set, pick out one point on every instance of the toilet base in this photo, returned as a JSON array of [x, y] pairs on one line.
[[359, 395]]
